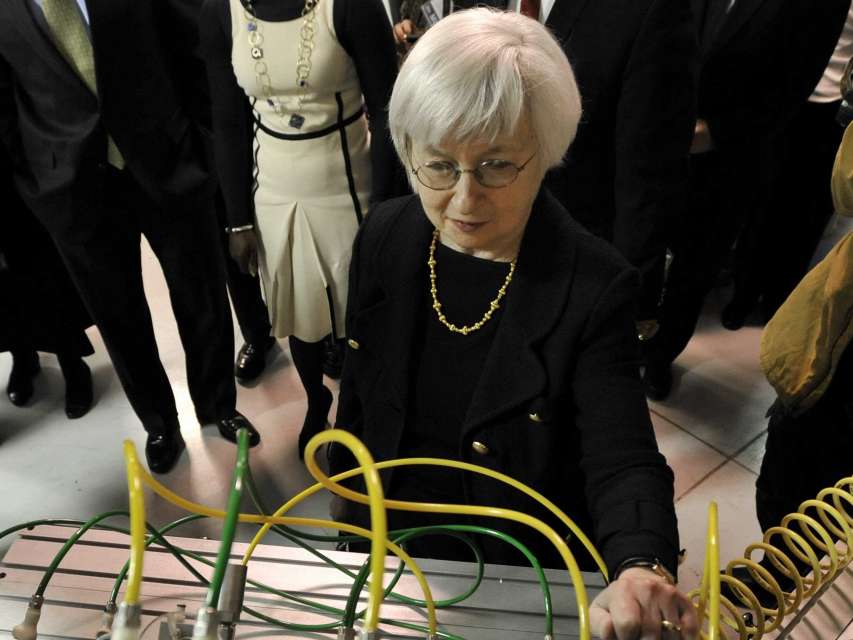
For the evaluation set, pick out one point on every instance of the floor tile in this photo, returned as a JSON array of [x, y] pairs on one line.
[[753, 454], [733, 489], [689, 458]]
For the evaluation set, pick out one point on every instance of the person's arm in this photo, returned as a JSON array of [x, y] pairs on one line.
[[629, 488], [232, 130], [177, 24], [365, 33], [9, 136], [654, 127], [789, 65]]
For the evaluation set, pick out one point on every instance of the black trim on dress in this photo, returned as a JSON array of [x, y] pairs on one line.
[[347, 161], [340, 124]]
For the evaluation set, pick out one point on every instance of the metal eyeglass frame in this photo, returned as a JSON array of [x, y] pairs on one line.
[[475, 171]]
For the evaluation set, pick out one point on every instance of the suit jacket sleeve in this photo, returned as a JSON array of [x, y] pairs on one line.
[[787, 71], [655, 120], [8, 112], [350, 414], [366, 35], [232, 123], [629, 488], [179, 35]]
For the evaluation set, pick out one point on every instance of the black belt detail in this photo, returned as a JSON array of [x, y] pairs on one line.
[[347, 161], [339, 125]]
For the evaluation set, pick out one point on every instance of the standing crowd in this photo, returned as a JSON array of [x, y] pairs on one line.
[[507, 217]]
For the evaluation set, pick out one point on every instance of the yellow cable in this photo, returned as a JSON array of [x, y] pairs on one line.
[[378, 519], [491, 512], [137, 524], [390, 464], [813, 543], [210, 512]]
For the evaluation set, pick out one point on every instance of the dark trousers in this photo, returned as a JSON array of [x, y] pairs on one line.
[[699, 242], [809, 451], [102, 251], [777, 243], [245, 290]]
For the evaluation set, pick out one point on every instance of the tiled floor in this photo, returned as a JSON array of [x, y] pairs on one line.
[[712, 432]]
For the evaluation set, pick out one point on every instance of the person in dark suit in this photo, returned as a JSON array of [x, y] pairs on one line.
[[102, 105], [760, 59], [624, 177], [486, 325], [42, 310]]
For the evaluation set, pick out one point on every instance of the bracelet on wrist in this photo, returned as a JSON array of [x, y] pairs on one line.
[[652, 564], [245, 227]]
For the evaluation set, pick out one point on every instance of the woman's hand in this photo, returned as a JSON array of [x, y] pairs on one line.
[[402, 30], [635, 606], [703, 141], [243, 246]]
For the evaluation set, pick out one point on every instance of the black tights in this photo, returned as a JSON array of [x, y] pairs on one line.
[[308, 360]]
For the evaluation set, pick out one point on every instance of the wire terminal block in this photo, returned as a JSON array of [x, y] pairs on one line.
[[206, 624]]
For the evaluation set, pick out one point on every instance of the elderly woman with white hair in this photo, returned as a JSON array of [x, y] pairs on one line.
[[485, 325]]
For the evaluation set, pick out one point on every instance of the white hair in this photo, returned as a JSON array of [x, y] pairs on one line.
[[474, 74]]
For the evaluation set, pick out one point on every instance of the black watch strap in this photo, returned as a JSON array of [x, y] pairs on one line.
[[646, 562]]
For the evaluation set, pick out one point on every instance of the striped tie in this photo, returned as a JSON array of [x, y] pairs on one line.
[[72, 40]]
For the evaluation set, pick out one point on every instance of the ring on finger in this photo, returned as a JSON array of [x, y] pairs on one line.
[[667, 625]]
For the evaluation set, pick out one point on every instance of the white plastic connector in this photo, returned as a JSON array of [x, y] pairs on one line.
[[106, 620], [126, 623], [174, 619], [206, 624], [368, 635], [28, 629]]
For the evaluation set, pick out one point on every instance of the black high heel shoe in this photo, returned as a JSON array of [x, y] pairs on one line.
[[78, 387], [315, 420], [25, 367]]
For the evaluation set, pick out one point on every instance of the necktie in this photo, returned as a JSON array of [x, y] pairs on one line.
[[530, 8], [72, 40]]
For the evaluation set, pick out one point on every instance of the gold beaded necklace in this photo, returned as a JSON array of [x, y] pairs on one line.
[[494, 305]]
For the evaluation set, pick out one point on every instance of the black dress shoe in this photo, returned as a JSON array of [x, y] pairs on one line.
[[162, 451], [316, 420], [252, 359], [657, 380], [229, 427], [734, 314], [333, 357], [78, 389], [25, 367]]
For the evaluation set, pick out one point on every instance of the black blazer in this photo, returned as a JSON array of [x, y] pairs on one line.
[[624, 177], [150, 90], [762, 65], [559, 403]]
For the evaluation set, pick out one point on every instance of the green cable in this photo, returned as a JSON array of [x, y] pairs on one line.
[[157, 535], [358, 585], [229, 527], [48, 574]]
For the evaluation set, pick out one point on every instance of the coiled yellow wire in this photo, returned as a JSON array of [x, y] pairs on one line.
[[814, 544]]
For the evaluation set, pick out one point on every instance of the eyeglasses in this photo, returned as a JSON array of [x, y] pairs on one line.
[[441, 175]]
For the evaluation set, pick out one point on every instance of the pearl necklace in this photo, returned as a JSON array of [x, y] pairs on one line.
[[494, 305]]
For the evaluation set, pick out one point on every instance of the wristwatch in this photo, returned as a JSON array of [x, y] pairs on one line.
[[652, 564]]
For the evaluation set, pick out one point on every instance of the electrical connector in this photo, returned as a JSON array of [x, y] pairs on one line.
[[231, 599], [368, 635], [28, 629], [127, 622], [346, 633], [206, 624], [107, 620], [174, 620]]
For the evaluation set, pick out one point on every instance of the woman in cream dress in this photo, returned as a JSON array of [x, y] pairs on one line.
[[299, 160]]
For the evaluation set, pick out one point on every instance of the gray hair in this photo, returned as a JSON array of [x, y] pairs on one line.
[[474, 74]]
